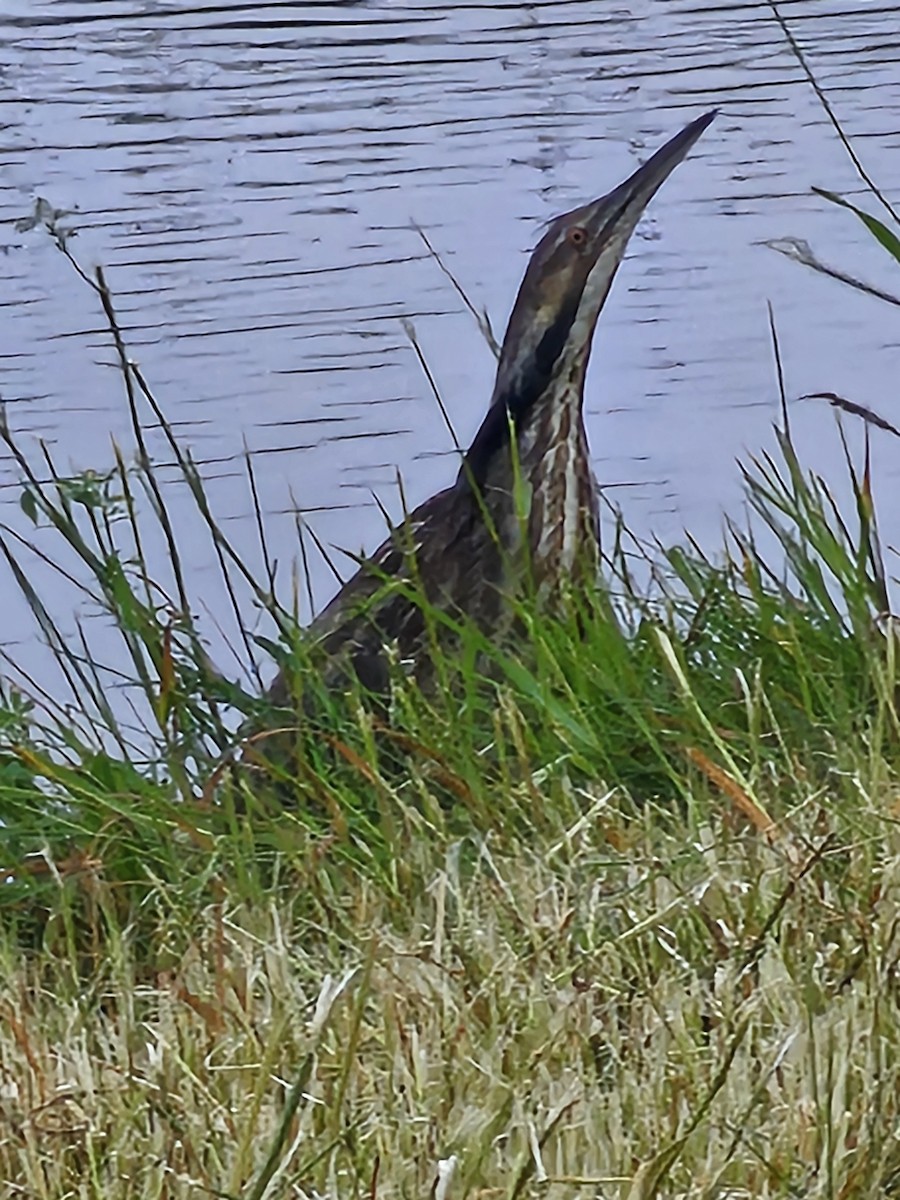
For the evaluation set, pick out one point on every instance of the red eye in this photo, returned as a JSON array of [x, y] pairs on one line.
[[578, 236]]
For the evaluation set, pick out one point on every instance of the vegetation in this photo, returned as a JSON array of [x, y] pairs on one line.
[[616, 917]]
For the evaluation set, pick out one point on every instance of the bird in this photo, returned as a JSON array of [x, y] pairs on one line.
[[523, 508]]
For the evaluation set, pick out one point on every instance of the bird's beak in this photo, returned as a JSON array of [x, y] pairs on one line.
[[618, 212]]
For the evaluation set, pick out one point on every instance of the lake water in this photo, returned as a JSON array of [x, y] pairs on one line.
[[249, 176]]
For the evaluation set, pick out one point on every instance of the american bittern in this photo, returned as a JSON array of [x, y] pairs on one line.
[[467, 547]]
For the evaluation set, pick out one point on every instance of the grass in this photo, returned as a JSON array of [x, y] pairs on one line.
[[620, 920]]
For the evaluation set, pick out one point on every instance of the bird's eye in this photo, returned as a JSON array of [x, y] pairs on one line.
[[578, 237]]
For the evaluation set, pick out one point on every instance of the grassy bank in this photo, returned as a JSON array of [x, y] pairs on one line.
[[616, 917]]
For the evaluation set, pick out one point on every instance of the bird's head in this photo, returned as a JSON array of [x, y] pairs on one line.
[[564, 288]]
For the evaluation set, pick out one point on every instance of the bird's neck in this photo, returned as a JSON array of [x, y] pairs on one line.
[[538, 487]]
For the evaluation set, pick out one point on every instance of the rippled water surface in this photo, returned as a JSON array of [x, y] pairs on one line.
[[250, 176]]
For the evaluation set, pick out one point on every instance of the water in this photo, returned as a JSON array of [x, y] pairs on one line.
[[249, 176]]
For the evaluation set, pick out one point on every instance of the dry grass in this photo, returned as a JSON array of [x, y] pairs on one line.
[[633, 1011]]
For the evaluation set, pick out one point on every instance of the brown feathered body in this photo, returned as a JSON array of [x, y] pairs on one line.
[[525, 498]]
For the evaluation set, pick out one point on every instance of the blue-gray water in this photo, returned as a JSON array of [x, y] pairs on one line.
[[248, 176]]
